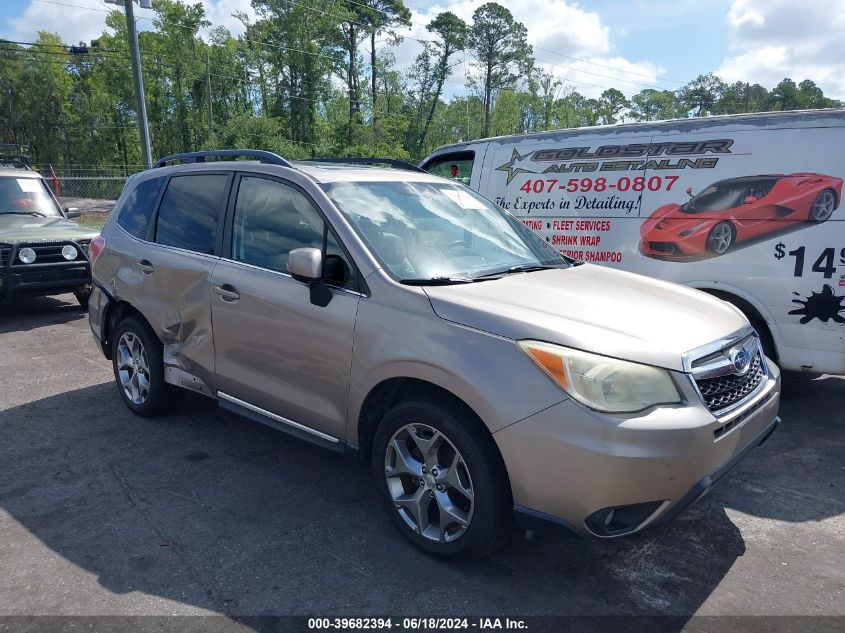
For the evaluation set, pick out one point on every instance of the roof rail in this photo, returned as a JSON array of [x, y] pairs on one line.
[[15, 160], [199, 157], [369, 160]]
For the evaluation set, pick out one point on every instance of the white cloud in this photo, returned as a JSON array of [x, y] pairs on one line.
[[85, 24], [773, 39], [558, 35], [72, 24]]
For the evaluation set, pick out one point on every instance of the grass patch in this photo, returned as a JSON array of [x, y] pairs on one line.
[[93, 220]]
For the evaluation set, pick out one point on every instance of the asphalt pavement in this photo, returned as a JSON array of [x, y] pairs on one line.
[[201, 512]]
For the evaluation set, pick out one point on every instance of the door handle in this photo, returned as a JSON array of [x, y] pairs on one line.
[[146, 266], [227, 293]]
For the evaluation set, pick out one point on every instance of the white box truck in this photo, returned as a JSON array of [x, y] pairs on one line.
[[745, 207]]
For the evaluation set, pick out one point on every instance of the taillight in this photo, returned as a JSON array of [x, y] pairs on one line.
[[97, 246]]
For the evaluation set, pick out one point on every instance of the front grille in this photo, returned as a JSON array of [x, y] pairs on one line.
[[5, 252], [52, 252], [662, 247], [52, 276], [721, 392]]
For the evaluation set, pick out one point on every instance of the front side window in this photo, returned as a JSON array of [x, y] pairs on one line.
[[429, 230], [456, 166], [272, 219], [190, 210], [27, 196], [137, 210]]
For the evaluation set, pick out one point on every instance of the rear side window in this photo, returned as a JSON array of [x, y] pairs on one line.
[[189, 212], [138, 209], [456, 166]]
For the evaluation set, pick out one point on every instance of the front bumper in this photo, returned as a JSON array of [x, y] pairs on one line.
[[569, 467], [669, 246], [41, 277]]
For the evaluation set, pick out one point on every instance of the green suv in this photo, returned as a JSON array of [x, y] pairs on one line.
[[41, 251]]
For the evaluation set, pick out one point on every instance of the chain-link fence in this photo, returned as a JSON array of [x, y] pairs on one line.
[[91, 187]]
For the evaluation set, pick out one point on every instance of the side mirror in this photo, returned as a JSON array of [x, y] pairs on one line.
[[72, 212], [749, 200], [689, 192], [306, 265]]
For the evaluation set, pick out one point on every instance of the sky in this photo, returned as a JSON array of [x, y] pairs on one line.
[[625, 44]]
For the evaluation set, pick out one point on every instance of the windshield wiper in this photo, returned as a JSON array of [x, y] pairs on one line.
[[519, 268], [33, 213], [436, 281]]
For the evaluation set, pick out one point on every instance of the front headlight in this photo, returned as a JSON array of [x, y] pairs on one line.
[[603, 383]]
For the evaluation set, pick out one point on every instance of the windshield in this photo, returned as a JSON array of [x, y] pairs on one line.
[[423, 230], [728, 195], [27, 196]]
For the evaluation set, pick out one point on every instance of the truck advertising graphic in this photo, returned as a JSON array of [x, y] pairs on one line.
[[746, 207]]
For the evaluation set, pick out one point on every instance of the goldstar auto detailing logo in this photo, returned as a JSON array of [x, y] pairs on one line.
[[631, 157], [517, 165]]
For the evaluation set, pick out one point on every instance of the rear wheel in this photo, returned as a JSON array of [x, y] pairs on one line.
[[823, 206], [139, 370], [441, 479], [721, 238]]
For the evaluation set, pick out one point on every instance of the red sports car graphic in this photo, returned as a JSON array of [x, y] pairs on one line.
[[736, 210]]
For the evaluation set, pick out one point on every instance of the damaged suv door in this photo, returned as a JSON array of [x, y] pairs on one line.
[[166, 273]]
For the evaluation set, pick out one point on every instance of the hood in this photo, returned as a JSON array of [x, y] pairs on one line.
[[595, 309], [26, 228]]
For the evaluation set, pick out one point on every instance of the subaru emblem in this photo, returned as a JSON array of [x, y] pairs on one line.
[[741, 360]]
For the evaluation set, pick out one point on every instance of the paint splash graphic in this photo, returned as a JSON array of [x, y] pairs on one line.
[[824, 306]]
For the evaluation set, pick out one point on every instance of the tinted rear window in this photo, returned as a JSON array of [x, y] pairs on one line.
[[138, 209], [189, 212]]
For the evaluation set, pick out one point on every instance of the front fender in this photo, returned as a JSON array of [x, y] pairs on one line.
[[489, 373]]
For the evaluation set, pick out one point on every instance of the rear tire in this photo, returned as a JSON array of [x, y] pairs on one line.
[[441, 479], [139, 370], [721, 238]]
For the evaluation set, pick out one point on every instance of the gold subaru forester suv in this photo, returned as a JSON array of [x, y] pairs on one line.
[[396, 314]]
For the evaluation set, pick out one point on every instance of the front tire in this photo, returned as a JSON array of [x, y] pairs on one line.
[[139, 370], [82, 294], [441, 479], [720, 238]]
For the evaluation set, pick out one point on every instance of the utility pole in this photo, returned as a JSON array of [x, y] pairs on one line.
[[208, 90], [137, 75]]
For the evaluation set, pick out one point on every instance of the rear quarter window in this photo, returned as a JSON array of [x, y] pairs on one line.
[[138, 209], [190, 211]]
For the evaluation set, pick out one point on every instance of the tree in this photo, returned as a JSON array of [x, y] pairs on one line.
[[652, 105], [383, 16], [785, 96], [611, 105], [500, 46], [701, 96], [451, 32], [812, 96]]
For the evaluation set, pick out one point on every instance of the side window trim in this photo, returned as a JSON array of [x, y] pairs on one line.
[[229, 226], [221, 212]]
